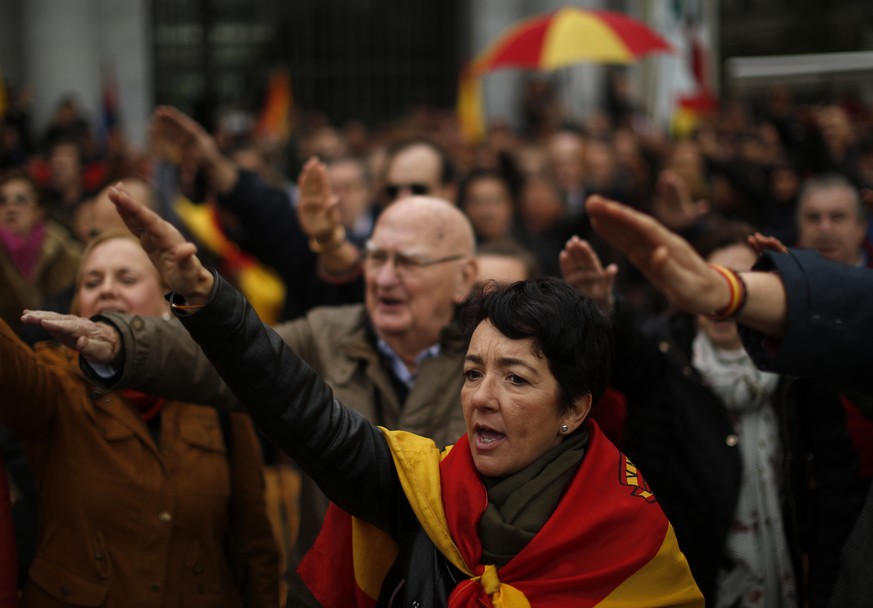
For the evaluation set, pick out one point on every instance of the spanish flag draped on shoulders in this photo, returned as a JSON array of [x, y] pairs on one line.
[[607, 544]]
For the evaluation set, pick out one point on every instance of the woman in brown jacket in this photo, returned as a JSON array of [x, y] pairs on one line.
[[143, 501]]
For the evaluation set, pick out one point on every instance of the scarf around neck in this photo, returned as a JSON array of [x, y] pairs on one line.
[[606, 544], [520, 504], [762, 573], [147, 406], [24, 250]]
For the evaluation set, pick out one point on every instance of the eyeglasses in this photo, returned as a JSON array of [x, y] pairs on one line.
[[404, 265], [392, 191], [18, 199]]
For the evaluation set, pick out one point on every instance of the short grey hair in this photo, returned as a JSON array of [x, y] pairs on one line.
[[829, 181]]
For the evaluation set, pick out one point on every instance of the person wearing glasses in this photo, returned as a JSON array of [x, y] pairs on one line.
[[38, 258], [419, 167], [265, 222], [397, 358], [532, 506]]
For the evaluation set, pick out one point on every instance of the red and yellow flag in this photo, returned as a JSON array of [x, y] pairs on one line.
[[608, 544], [274, 121], [469, 105]]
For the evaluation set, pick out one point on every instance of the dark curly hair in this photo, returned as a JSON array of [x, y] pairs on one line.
[[567, 329]]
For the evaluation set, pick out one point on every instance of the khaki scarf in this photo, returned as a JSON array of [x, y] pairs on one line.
[[520, 504]]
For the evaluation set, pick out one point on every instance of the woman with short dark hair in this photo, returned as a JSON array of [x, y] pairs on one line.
[[533, 506]]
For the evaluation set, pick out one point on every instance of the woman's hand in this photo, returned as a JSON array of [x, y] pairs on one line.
[[666, 259], [97, 342], [173, 256], [581, 269]]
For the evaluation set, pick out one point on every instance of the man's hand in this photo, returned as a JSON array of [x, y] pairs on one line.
[[581, 269], [180, 139], [673, 204], [173, 256], [665, 258], [97, 342], [317, 208]]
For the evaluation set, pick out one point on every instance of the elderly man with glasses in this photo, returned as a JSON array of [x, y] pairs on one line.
[[397, 358]]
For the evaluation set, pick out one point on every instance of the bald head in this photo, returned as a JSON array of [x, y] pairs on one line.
[[419, 267], [433, 220]]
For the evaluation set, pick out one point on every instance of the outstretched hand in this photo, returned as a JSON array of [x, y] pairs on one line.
[[97, 342], [761, 243], [581, 269], [666, 259], [673, 204], [181, 138], [173, 256], [318, 208]]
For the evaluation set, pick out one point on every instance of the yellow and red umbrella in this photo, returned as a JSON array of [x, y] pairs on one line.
[[555, 40], [571, 35]]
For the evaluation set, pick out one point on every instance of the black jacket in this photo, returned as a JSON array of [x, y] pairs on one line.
[[681, 437], [268, 229], [298, 412]]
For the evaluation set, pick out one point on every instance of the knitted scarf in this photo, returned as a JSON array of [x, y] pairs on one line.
[[762, 574]]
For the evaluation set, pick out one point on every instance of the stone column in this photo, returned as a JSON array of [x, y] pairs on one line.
[[61, 55], [69, 44]]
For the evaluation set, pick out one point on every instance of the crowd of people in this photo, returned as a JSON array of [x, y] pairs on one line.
[[410, 280]]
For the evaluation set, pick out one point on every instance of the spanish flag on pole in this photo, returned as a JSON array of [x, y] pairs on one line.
[[469, 105], [606, 545], [274, 121]]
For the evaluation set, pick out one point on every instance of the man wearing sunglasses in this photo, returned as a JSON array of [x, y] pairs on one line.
[[418, 167], [397, 358]]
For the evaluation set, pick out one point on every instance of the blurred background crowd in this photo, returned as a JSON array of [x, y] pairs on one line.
[[758, 159]]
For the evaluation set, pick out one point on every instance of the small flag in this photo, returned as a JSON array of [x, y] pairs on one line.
[[274, 121], [469, 105]]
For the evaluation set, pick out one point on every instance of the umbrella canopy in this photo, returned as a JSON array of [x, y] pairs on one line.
[[571, 35]]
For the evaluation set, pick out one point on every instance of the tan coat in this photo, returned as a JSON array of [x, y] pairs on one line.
[[125, 521], [55, 271]]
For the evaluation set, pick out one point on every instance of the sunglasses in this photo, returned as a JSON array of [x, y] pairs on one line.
[[392, 191]]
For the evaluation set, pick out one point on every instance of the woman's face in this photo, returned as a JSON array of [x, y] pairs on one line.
[[118, 276], [511, 402], [20, 211], [489, 207]]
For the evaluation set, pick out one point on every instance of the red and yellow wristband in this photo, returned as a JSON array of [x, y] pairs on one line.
[[738, 293]]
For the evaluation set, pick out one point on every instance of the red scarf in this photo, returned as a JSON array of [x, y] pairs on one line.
[[24, 250], [148, 406], [607, 543]]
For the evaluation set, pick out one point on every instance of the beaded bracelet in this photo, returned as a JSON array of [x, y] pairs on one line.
[[738, 293], [337, 238]]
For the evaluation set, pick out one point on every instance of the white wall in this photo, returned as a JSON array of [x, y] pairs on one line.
[[67, 45]]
